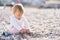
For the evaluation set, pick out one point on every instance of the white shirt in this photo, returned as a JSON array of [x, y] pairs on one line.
[[19, 23]]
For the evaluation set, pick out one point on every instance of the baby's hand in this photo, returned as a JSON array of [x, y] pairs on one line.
[[22, 31], [28, 31]]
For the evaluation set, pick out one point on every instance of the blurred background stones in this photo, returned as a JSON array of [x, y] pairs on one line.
[[34, 3], [42, 21]]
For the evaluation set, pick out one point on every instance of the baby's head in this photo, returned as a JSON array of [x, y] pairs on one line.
[[18, 11]]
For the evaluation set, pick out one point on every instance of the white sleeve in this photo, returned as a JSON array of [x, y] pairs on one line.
[[26, 23], [14, 23]]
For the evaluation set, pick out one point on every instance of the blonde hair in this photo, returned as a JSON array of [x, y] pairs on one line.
[[19, 7]]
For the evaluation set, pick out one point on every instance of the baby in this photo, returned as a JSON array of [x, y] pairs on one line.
[[18, 22]]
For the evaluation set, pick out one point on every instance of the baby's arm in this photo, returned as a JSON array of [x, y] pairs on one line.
[[26, 23], [27, 26]]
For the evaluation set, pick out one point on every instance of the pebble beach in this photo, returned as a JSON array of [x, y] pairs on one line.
[[44, 23]]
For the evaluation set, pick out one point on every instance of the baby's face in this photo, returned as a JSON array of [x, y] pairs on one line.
[[18, 14]]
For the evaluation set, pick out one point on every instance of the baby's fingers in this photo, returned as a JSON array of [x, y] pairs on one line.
[[21, 31]]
